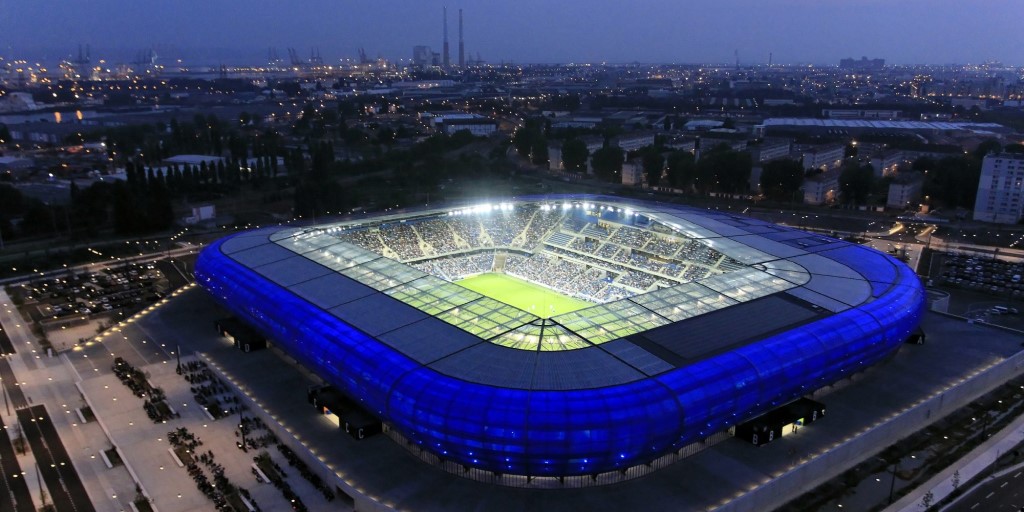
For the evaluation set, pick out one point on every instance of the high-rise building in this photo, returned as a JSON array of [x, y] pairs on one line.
[[421, 56], [864, 64], [1000, 196]]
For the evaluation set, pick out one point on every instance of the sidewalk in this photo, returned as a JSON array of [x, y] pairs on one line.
[[49, 381], [972, 464], [145, 446]]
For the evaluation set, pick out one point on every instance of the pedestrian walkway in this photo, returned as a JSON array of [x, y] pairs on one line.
[[145, 447], [971, 465], [44, 380]]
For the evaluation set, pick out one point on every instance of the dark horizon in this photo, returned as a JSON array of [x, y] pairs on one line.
[[212, 57], [914, 32]]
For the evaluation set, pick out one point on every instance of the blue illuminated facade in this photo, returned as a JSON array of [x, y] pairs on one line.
[[554, 432]]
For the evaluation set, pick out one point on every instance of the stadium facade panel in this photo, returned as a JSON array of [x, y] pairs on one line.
[[702, 320]]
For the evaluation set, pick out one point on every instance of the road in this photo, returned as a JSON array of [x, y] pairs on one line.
[[13, 396], [6, 347], [1005, 493], [93, 267], [14, 494], [66, 490]]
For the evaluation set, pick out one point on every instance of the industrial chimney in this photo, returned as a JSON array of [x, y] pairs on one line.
[[447, 61], [462, 45]]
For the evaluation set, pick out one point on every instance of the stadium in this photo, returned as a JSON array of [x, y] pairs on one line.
[[565, 336]]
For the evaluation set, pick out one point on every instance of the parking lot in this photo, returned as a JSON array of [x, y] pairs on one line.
[[95, 299], [1000, 278]]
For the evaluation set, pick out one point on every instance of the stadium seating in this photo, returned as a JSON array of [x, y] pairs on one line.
[[598, 262]]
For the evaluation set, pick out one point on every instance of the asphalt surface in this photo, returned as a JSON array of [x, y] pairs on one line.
[[172, 270], [702, 481], [11, 388], [6, 347], [14, 494], [65, 487], [1005, 493]]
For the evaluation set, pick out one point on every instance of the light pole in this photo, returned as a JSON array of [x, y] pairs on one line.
[[892, 482], [241, 427]]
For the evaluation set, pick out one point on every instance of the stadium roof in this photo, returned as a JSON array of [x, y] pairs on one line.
[[790, 278]]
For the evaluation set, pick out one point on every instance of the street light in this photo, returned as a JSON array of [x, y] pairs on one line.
[[892, 481]]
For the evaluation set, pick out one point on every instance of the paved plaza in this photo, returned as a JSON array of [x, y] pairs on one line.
[[386, 474], [390, 474]]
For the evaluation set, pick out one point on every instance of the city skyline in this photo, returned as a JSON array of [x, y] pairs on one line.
[[654, 31]]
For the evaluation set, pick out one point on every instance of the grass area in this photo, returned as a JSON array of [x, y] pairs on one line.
[[524, 295]]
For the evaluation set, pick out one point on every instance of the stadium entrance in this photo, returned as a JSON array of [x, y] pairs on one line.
[[780, 422], [344, 412]]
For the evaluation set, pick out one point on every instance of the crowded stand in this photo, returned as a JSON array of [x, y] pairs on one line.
[[638, 280], [467, 228], [402, 239], [457, 267], [573, 225], [631, 237], [584, 245], [542, 223], [364, 238], [699, 253], [437, 234], [608, 251], [663, 247], [574, 261]]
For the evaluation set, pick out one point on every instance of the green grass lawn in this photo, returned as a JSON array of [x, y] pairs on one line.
[[524, 295]]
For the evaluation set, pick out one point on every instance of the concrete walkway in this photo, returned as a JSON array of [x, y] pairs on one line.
[[972, 464], [50, 381]]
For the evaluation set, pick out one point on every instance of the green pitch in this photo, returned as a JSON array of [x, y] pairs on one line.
[[524, 295]]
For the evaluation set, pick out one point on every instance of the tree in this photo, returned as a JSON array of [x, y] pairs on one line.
[[653, 163], [987, 146], [11, 200], [159, 211], [953, 181], [607, 163], [856, 182], [681, 169], [574, 155], [924, 163], [926, 500], [781, 179], [527, 136], [539, 151], [722, 169]]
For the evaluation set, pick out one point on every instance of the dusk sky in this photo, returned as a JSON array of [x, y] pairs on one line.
[[795, 31]]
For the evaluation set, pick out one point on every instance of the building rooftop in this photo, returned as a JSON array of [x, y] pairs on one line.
[[883, 125], [480, 339]]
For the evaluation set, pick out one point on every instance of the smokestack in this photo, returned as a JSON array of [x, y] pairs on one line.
[[462, 46], [446, 61]]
